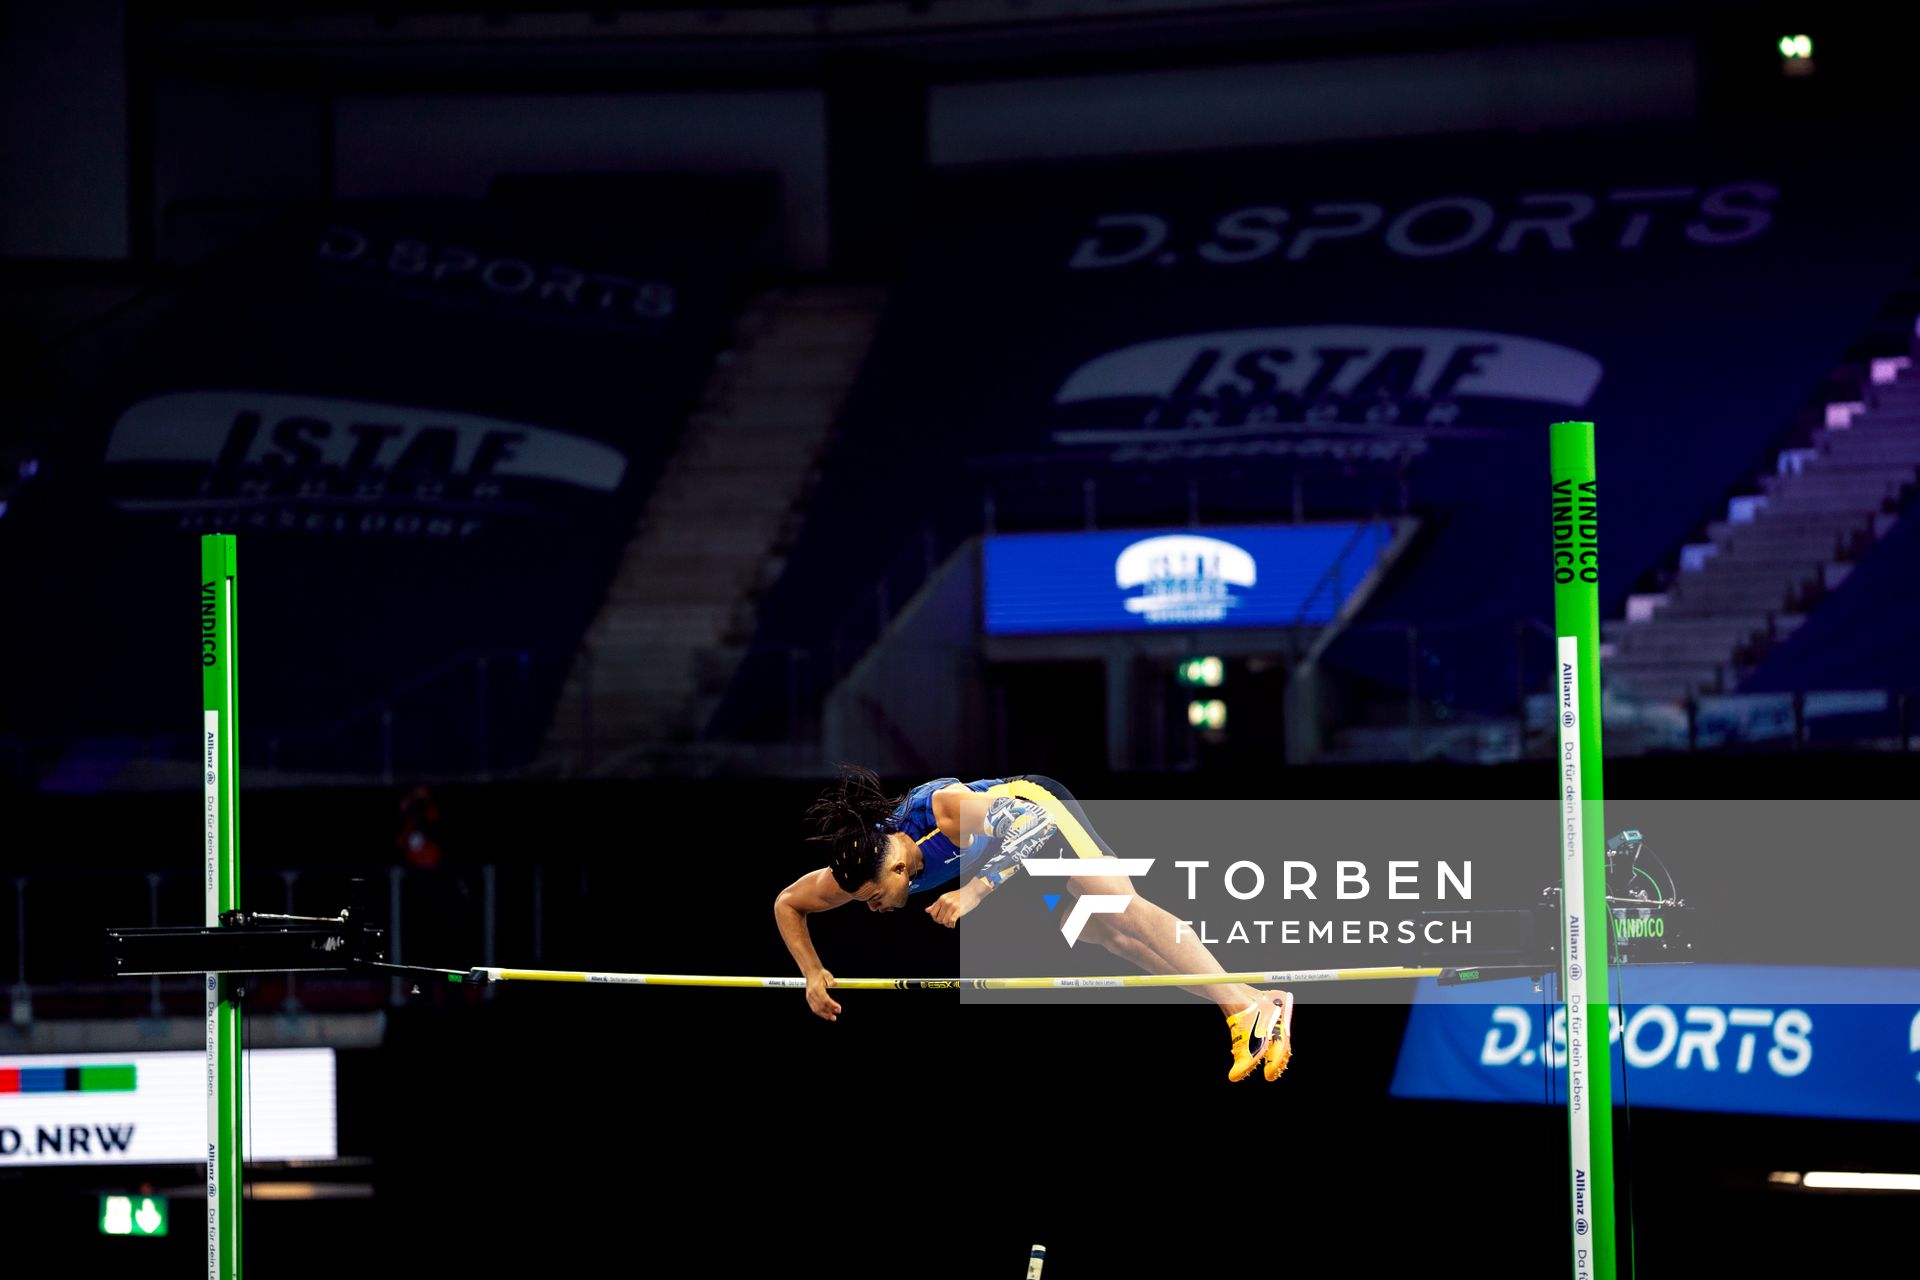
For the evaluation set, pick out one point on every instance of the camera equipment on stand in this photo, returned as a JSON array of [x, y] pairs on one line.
[[1648, 922]]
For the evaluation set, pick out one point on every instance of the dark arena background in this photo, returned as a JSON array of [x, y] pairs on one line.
[[625, 416]]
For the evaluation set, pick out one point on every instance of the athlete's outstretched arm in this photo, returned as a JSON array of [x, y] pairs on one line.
[[963, 814], [814, 891]]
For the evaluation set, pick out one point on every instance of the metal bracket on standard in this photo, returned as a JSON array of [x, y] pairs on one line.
[[247, 942]]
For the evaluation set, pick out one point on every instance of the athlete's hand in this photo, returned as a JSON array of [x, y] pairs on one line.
[[817, 998], [949, 907]]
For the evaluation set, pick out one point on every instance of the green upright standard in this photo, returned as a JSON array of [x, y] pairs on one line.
[[1582, 846], [220, 749]]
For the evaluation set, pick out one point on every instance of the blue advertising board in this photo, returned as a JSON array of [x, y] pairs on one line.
[[1145, 579], [1834, 1042]]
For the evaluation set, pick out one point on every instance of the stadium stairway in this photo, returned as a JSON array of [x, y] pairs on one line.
[[677, 617], [1778, 551]]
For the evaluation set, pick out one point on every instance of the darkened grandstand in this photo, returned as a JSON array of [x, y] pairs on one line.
[[630, 415]]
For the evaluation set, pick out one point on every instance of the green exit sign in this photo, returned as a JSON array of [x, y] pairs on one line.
[[1208, 672], [133, 1216]]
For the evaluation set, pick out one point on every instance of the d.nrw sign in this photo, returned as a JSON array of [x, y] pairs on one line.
[[150, 1108]]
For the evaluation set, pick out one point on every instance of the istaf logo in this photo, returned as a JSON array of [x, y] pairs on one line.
[[1280, 390], [364, 467], [1183, 578]]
